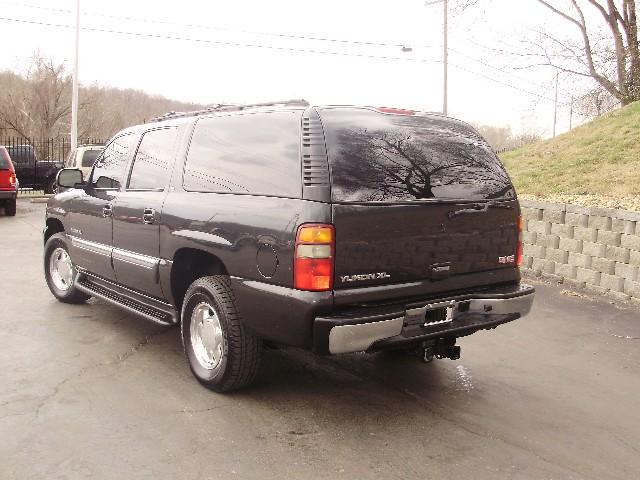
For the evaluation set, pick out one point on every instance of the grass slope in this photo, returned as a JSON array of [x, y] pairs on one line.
[[601, 157]]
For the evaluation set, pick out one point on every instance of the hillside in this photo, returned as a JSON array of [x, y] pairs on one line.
[[597, 163]]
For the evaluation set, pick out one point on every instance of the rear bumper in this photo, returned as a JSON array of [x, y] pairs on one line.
[[385, 327], [8, 194]]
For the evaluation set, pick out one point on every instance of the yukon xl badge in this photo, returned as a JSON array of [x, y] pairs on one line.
[[364, 276], [507, 259]]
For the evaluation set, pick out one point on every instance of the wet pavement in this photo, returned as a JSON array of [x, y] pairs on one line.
[[90, 391]]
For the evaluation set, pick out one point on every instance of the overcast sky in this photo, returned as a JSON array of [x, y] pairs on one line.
[[251, 50]]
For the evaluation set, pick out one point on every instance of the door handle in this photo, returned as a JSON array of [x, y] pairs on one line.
[[107, 210], [149, 215]]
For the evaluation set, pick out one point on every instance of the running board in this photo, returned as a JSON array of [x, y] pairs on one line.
[[134, 302]]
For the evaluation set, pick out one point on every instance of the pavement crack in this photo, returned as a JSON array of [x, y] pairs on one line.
[[139, 346], [120, 359], [201, 410]]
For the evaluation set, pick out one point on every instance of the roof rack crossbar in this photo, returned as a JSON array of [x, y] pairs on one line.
[[227, 107]]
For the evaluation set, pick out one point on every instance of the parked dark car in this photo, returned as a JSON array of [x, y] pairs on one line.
[[335, 229], [8, 184], [35, 174]]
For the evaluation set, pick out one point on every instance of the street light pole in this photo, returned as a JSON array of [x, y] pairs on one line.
[[74, 93]]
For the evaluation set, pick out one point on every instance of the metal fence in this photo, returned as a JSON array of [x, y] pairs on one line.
[[37, 161]]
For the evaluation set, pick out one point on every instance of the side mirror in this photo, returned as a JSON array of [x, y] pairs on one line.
[[69, 178]]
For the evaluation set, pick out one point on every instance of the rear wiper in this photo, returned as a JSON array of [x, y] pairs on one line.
[[478, 208]]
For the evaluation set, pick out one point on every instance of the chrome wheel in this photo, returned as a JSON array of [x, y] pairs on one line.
[[61, 269], [206, 336]]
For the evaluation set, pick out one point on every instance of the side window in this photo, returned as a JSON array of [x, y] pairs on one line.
[[89, 157], [108, 170], [256, 153], [151, 165]]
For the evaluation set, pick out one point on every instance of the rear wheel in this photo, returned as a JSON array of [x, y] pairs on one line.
[[222, 354], [60, 272], [10, 208]]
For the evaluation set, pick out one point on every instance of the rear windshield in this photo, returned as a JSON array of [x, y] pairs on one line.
[[4, 160], [377, 157], [89, 157], [21, 154]]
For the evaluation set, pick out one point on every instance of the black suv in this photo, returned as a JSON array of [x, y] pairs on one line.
[[336, 229]]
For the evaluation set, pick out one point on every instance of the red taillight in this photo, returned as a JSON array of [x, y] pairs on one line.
[[313, 262], [12, 179], [396, 111], [519, 247]]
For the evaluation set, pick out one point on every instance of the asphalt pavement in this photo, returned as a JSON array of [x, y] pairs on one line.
[[90, 391]]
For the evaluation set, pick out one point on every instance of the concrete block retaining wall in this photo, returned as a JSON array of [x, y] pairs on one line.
[[591, 247]]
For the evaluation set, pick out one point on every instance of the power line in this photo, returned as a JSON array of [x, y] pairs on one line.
[[507, 84], [211, 27], [219, 42], [499, 69], [297, 37], [272, 47]]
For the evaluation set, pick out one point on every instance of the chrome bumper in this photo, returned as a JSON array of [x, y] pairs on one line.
[[487, 312]]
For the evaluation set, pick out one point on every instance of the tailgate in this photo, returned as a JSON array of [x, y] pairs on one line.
[[378, 244], [416, 197]]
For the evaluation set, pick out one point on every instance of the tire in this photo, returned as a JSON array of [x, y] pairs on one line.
[[60, 278], [210, 312], [51, 187], [10, 208]]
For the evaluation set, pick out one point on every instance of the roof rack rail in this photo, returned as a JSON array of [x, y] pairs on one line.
[[229, 107]]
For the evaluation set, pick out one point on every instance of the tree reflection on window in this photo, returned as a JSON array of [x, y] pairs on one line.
[[399, 164]]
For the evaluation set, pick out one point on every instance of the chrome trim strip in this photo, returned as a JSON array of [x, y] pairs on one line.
[[93, 247], [358, 338], [137, 259]]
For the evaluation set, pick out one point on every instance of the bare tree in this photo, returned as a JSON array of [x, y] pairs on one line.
[[612, 59], [498, 137], [595, 102], [37, 105]]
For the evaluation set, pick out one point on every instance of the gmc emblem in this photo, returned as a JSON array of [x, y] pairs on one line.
[[507, 259]]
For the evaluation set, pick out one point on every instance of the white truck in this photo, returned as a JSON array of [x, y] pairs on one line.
[[83, 158]]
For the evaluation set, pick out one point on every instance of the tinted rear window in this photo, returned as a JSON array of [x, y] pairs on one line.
[[398, 158], [256, 153], [89, 157], [21, 154], [4, 161]]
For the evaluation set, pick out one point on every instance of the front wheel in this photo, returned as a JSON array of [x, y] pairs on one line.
[[222, 354], [60, 272], [51, 187]]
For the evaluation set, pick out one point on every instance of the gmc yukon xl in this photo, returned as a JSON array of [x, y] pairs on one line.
[[335, 229]]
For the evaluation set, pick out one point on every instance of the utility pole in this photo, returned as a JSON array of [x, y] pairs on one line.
[[445, 57], [74, 94], [571, 114], [445, 53], [555, 107]]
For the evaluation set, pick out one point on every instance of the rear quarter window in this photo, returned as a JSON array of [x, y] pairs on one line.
[[253, 153], [4, 159], [397, 158]]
